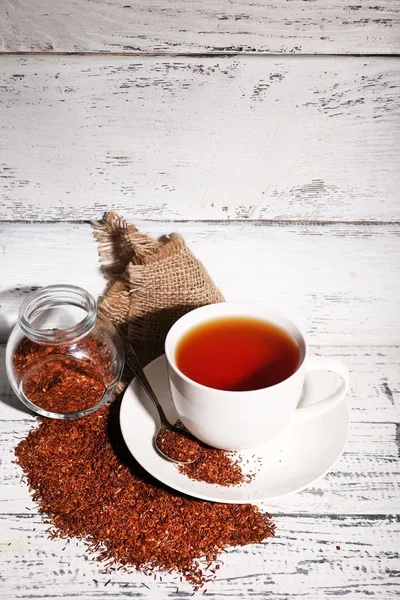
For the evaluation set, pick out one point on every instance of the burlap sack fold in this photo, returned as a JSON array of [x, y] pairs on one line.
[[151, 283]]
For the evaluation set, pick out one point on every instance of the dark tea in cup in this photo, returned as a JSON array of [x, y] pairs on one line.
[[236, 353]]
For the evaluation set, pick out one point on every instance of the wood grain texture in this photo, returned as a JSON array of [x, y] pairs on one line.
[[339, 537], [364, 481], [339, 282], [255, 138], [374, 396], [302, 563], [299, 26]]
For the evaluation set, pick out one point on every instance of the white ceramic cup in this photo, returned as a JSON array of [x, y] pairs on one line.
[[237, 420]]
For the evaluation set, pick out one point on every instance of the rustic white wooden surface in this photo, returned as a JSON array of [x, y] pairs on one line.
[[300, 151], [299, 26], [259, 137], [340, 284], [302, 563], [364, 478]]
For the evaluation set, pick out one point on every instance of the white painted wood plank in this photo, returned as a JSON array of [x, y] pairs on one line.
[[302, 562], [288, 138], [374, 393], [364, 481], [340, 283], [200, 26], [353, 507], [374, 396]]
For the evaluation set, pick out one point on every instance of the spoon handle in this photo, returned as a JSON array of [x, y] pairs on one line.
[[133, 363]]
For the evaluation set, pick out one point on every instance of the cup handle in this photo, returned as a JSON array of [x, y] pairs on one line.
[[320, 363]]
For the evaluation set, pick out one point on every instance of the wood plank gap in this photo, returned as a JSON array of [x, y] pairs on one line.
[[323, 345], [4, 338], [3, 343], [288, 515], [353, 421], [216, 54], [341, 516], [261, 222]]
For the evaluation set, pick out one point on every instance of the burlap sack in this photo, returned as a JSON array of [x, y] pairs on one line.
[[151, 283]]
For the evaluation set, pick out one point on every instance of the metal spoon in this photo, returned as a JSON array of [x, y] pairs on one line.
[[133, 363]]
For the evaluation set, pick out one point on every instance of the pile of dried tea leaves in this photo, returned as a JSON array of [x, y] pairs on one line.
[[218, 467], [83, 477]]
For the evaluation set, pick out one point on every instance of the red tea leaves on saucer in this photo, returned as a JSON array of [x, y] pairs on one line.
[[218, 467], [204, 463]]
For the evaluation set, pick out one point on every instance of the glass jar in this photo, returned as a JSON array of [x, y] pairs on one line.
[[63, 358]]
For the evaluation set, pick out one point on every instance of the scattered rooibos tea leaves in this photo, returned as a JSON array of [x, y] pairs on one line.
[[64, 378], [85, 480], [217, 466], [178, 445], [204, 463]]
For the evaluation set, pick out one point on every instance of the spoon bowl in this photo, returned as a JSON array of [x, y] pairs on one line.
[[176, 444]]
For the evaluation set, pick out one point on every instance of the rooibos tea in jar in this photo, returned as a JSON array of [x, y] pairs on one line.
[[63, 358]]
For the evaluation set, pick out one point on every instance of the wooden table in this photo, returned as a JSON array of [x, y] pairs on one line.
[[267, 134]]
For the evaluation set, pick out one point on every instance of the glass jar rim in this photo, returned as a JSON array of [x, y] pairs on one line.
[[50, 297]]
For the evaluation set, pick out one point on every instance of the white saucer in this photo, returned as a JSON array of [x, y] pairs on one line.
[[291, 462]]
